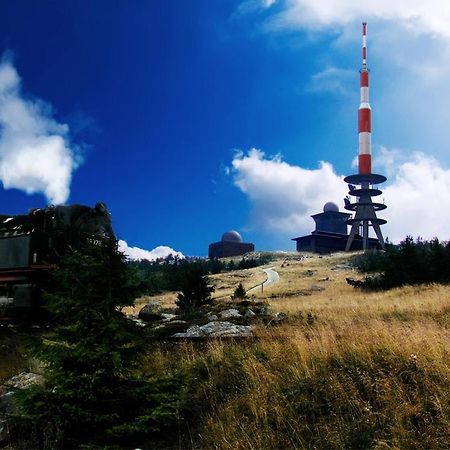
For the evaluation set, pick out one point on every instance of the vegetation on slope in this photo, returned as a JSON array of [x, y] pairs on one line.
[[410, 262], [349, 369], [319, 386], [169, 274], [91, 396]]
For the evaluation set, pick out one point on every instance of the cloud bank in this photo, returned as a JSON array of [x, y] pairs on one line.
[[430, 17], [284, 196], [35, 153], [136, 253]]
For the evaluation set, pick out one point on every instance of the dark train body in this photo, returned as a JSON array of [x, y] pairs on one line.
[[32, 244]]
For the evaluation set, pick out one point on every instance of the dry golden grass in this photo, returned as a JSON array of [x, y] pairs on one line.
[[377, 384], [225, 283], [350, 369], [167, 300]]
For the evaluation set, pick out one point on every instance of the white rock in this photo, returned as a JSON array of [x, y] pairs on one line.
[[229, 313], [225, 329], [216, 329], [138, 322], [25, 380], [168, 317], [342, 267], [194, 331], [249, 313]]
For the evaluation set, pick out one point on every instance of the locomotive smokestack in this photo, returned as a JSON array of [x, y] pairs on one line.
[[364, 114]]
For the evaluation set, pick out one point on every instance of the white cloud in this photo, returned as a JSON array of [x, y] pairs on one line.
[[431, 17], [417, 199], [35, 155], [136, 253], [284, 196]]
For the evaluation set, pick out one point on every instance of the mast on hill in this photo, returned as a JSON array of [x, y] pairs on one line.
[[362, 184]]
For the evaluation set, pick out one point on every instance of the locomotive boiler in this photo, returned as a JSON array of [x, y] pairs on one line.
[[32, 244]]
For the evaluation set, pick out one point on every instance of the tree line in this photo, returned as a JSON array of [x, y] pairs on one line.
[[169, 274], [411, 262]]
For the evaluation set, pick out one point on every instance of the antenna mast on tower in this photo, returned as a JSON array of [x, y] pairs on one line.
[[365, 210]]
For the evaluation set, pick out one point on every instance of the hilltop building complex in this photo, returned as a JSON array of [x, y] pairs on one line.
[[330, 234]]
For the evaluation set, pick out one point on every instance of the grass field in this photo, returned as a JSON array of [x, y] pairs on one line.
[[348, 369]]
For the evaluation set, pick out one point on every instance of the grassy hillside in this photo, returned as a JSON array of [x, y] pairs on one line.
[[348, 369]]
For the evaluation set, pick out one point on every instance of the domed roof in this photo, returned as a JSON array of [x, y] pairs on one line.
[[231, 236], [330, 207]]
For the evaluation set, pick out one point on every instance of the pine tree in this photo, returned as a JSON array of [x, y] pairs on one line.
[[90, 397], [239, 293], [195, 291]]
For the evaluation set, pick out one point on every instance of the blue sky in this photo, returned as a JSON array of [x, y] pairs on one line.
[[154, 107]]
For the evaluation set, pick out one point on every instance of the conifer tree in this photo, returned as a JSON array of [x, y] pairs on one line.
[[239, 293], [90, 397], [195, 291]]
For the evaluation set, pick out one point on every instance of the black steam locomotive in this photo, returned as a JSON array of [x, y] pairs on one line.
[[32, 244]]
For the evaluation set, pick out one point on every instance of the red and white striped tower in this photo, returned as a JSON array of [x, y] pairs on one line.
[[362, 184], [364, 114]]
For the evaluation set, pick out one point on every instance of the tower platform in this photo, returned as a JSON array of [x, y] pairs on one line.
[[365, 209], [371, 179]]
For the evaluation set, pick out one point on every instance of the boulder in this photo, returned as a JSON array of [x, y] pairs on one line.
[[216, 329], [138, 322], [24, 380], [170, 324], [249, 313], [168, 317], [229, 313], [192, 332], [342, 267], [151, 312], [21, 381]]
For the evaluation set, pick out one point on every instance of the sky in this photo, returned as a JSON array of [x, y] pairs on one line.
[[189, 119]]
